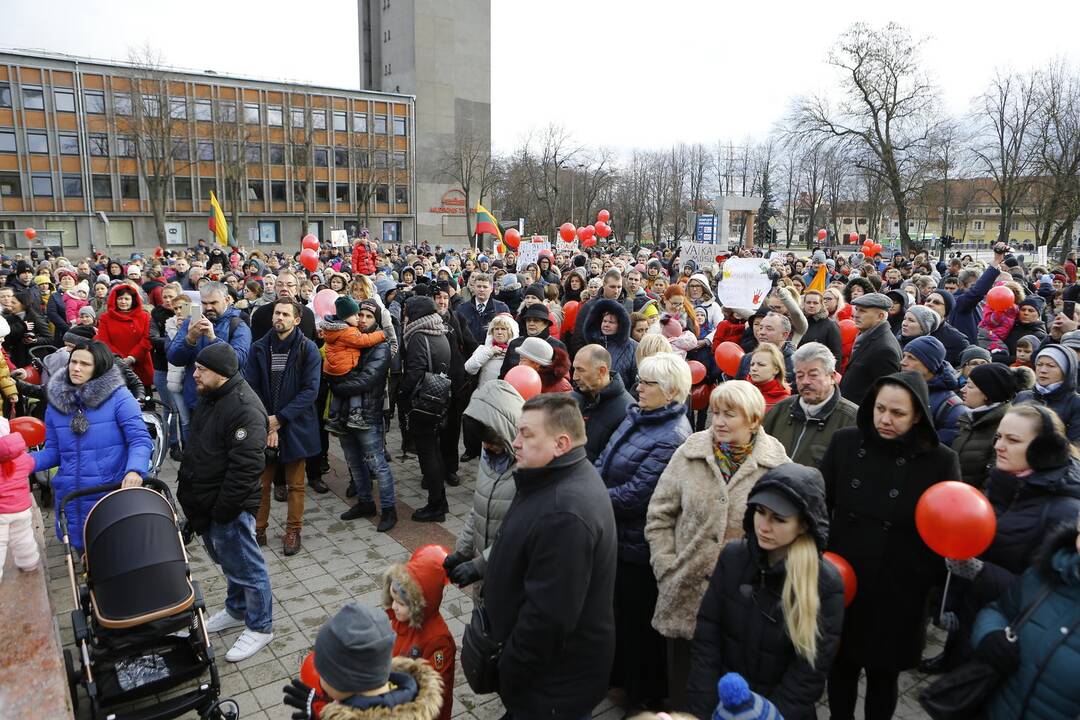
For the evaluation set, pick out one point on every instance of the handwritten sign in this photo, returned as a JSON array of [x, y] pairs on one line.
[[744, 283], [566, 248], [700, 253], [529, 251]]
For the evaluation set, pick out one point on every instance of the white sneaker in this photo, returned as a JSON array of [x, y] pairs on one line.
[[249, 643], [222, 620]]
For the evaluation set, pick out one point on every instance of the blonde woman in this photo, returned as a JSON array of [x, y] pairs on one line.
[[698, 507], [487, 359], [773, 611], [768, 375]]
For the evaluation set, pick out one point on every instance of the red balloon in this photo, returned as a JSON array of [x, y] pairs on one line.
[[602, 217], [822, 234], [309, 259], [854, 238], [310, 677], [728, 356], [603, 229], [1000, 298], [590, 230], [583, 234], [525, 380], [697, 371], [699, 396], [567, 231], [32, 429], [310, 242], [33, 376], [876, 249], [848, 331], [512, 238], [847, 574], [955, 520], [569, 314], [30, 233], [588, 242]]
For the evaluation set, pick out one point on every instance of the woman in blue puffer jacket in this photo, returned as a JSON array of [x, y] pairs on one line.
[[94, 432], [631, 464]]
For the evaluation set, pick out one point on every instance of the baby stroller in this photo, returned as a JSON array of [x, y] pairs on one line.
[[139, 619]]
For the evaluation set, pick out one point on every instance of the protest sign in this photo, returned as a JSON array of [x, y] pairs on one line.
[[566, 248], [529, 250], [339, 238], [700, 253], [744, 283]]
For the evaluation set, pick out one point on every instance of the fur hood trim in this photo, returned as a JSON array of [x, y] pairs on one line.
[[425, 706], [67, 398], [421, 581]]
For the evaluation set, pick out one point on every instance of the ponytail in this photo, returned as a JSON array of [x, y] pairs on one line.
[[800, 597]]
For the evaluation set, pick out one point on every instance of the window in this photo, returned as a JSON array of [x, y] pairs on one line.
[[7, 141], [121, 103], [341, 157], [273, 116], [1015, 225], [380, 159], [382, 194], [37, 142], [363, 194], [183, 188], [318, 119], [151, 105], [277, 154], [380, 124], [205, 149], [64, 100], [299, 191], [5, 95], [129, 187], [401, 195], [102, 185], [256, 191], [41, 185], [72, 185], [277, 191], [399, 159], [322, 192], [296, 117], [33, 99], [204, 110], [399, 126], [363, 158], [9, 185], [207, 185], [321, 157], [69, 143], [121, 233], [978, 224], [94, 102], [359, 122], [253, 153], [99, 145], [341, 192], [178, 108], [341, 121], [269, 231], [226, 111], [181, 150], [251, 114]]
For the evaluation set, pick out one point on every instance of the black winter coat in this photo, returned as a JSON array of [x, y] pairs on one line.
[[418, 350], [826, 332], [1065, 401], [367, 379], [262, 322], [873, 486], [56, 313], [221, 473], [954, 341], [159, 339], [603, 414], [875, 355], [974, 444], [741, 627], [549, 590], [477, 324], [461, 346]]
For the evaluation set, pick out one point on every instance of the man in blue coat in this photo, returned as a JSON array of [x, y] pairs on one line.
[[284, 369], [220, 322], [477, 313], [966, 311]]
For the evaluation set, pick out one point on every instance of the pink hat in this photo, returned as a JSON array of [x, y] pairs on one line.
[[670, 327]]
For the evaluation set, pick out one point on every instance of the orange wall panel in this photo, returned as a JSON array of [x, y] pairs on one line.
[[35, 118], [67, 121], [74, 205], [203, 91], [30, 76], [62, 79], [7, 117], [70, 164], [9, 162], [13, 204], [97, 82], [40, 163]]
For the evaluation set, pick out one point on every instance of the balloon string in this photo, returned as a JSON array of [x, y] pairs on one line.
[[944, 596]]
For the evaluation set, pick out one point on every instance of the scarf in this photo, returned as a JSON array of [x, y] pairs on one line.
[[427, 325], [731, 456], [497, 344], [1047, 389]]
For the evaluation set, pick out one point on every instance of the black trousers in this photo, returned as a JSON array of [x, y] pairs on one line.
[[882, 690], [640, 651], [424, 431], [450, 432]]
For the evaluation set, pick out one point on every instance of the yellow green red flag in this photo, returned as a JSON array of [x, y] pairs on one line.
[[486, 222], [217, 223]]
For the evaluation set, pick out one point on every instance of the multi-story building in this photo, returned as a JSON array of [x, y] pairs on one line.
[[82, 142], [439, 51]]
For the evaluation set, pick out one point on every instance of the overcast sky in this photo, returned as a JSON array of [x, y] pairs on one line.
[[622, 73]]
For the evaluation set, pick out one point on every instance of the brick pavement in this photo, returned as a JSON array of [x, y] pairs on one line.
[[342, 561]]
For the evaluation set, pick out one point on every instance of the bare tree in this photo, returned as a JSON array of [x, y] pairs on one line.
[[658, 197], [597, 171], [679, 165], [545, 156], [231, 138], [700, 160], [302, 164], [468, 162], [1057, 191]]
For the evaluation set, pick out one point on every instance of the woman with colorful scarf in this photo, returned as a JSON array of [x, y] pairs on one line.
[[698, 507]]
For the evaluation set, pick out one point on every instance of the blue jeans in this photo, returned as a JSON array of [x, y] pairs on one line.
[[232, 546], [364, 454], [161, 384]]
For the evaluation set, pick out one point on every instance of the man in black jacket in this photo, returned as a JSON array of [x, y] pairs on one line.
[[219, 489], [876, 352], [819, 326], [550, 579], [462, 346], [600, 396]]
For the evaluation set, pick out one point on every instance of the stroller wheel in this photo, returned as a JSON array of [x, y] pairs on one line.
[[226, 709], [74, 678]]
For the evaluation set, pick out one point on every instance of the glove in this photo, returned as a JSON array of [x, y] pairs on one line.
[[967, 569], [465, 574], [299, 696], [454, 559], [948, 621], [1002, 655]]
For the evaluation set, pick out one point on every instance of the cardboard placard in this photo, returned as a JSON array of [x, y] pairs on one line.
[[744, 283]]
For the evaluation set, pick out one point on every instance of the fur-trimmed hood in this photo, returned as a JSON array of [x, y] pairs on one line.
[[68, 398], [1063, 537], [405, 674], [330, 323], [596, 316], [421, 581]]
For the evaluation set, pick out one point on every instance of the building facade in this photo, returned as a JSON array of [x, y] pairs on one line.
[[91, 152], [439, 51]]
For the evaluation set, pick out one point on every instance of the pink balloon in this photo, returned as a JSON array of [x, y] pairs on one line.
[[525, 380], [324, 302]]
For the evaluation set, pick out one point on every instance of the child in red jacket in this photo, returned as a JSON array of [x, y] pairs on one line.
[[16, 522], [412, 594]]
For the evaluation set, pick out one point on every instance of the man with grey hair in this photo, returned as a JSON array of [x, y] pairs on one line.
[[776, 329], [806, 421]]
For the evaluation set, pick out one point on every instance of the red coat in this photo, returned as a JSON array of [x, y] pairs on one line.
[[727, 331], [425, 636], [128, 333], [362, 261]]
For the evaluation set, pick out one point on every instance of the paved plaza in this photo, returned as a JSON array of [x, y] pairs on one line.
[[342, 561]]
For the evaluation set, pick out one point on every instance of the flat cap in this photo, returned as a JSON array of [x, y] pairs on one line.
[[873, 300]]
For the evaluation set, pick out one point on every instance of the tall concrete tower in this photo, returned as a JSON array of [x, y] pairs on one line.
[[439, 51]]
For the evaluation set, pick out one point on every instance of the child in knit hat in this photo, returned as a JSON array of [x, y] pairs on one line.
[[344, 341], [75, 299], [1025, 351], [739, 702], [682, 340], [16, 521]]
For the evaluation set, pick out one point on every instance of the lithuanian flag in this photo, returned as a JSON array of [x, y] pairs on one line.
[[818, 283], [217, 223], [486, 222]]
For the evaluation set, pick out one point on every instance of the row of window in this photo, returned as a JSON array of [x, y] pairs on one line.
[[203, 110]]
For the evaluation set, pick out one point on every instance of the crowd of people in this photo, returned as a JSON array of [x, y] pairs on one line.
[[635, 532]]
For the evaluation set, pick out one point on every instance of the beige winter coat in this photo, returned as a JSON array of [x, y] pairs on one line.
[[692, 515]]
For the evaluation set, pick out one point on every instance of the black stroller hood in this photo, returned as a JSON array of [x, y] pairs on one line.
[[135, 561]]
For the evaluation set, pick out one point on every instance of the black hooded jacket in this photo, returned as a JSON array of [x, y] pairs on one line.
[[741, 627], [620, 345]]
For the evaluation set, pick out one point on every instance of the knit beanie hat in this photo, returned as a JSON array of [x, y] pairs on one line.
[[997, 382], [670, 326], [80, 334], [353, 649], [1057, 354], [1070, 339], [345, 307], [536, 290], [220, 358], [87, 310], [738, 702], [1034, 301], [536, 349], [928, 319], [929, 351], [974, 352]]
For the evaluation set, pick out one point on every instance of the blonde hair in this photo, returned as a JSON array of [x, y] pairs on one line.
[[742, 396], [776, 356], [361, 287], [670, 372], [651, 344], [799, 597]]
